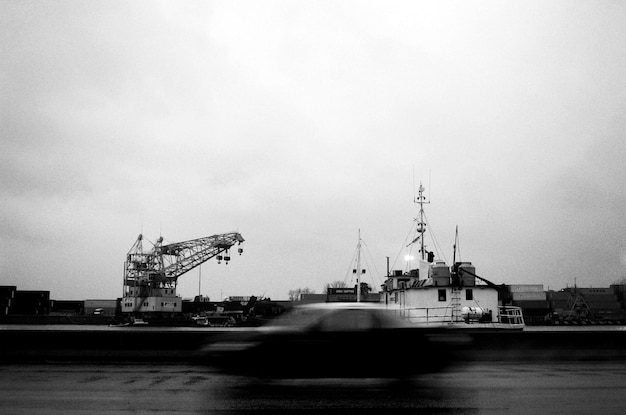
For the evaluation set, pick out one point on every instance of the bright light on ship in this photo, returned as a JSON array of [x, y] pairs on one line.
[[409, 257]]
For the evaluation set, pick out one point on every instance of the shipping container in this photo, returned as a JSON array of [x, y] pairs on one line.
[[7, 292], [529, 296], [32, 295], [100, 303], [619, 288], [67, 306], [559, 295], [525, 288], [554, 304], [603, 305], [607, 312], [600, 297], [533, 304], [101, 307], [585, 291], [313, 298], [30, 302]]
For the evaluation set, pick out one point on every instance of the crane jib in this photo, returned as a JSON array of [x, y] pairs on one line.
[[150, 278]]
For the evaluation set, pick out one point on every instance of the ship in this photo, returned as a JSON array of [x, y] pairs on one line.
[[437, 295]]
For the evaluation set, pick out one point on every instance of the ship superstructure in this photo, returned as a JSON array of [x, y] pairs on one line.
[[436, 294]]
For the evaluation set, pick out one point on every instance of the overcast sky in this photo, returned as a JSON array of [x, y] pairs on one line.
[[297, 123]]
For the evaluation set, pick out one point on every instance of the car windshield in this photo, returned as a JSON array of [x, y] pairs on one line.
[[349, 320]]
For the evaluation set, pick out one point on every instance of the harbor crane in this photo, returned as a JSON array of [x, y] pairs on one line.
[[150, 278]]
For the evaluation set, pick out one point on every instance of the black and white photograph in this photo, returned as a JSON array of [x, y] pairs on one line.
[[324, 206]]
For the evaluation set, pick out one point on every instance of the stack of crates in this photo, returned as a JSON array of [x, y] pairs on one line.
[[7, 294], [31, 303]]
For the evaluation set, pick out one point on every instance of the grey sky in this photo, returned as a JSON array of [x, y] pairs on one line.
[[299, 123]]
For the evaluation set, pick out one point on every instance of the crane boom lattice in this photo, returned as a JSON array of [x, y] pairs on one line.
[[150, 278]]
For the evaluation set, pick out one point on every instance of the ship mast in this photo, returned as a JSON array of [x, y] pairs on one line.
[[358, 269], [421, 223]]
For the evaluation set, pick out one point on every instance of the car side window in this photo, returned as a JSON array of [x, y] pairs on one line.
[[348, 320]]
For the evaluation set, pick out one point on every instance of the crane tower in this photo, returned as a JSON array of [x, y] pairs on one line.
[[150, 278]]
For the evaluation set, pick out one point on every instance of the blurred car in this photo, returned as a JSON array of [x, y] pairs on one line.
[[333, 340]]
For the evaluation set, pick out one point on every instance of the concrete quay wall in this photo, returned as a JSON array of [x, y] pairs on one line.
[[171, 345]]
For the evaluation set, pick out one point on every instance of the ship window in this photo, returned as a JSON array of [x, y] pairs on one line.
[[469, 294], [442, 295]]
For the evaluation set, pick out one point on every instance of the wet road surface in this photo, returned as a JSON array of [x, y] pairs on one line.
[[478, 388]]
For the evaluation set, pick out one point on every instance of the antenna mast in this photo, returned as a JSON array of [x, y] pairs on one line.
[[456, 241], [421, 223], [358, 270]]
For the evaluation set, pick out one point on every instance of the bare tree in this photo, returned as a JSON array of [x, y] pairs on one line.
[[294, 295]]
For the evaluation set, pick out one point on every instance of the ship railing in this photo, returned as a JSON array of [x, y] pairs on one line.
[[510, 315], [426, 315], [507, 315]]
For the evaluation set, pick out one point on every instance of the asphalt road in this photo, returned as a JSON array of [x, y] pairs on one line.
[[478, 388]]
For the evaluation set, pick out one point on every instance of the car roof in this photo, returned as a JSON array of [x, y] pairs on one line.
[[304, 315]]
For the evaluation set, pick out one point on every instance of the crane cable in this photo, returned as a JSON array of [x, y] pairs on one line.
[[436, 244], [367, 264]]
